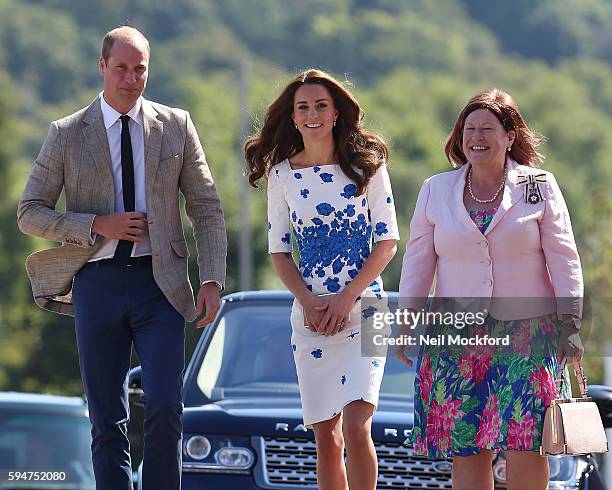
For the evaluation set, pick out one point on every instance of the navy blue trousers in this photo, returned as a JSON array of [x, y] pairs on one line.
[[117, 306]]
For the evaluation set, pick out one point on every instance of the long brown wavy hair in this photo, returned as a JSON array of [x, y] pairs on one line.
[[359, 152], [503, 107]]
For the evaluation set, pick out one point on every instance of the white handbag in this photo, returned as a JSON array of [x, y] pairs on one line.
[[573, 426]]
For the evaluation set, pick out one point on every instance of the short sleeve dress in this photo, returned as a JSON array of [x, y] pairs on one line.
[[333, 229]]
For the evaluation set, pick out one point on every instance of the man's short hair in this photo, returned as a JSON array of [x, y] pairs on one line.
[[121, 32]]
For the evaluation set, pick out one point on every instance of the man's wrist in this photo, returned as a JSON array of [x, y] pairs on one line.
[[219, 285]]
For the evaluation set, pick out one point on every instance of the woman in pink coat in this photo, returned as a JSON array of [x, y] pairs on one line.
[[495, 230]]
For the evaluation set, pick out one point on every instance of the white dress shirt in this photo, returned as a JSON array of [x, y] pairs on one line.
[[112, 123]]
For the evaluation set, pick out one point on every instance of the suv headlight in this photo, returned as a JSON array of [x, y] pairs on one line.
[[197, 447], [499, 470], [234, 457], [563, 472], [217, 454]]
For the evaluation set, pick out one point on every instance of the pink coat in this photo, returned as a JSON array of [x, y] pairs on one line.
[[528, 251]]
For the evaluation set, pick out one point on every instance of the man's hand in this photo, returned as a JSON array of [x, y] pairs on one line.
[[209, 303], [130, 226]]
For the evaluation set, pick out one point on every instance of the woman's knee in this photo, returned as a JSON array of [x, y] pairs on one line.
[[519, 464], [473, 472], [357, 423], [328, 436]]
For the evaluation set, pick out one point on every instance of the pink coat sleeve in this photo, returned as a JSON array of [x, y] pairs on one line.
[[560, 251], [420, 257]]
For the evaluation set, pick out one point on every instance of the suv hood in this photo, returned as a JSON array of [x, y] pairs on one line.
[[283, 416]]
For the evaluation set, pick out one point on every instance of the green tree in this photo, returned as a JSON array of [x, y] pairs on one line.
[[19, 322]]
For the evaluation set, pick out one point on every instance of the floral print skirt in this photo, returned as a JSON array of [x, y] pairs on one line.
[[486, 397]]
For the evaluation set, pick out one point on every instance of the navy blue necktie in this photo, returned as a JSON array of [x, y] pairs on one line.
[[124, 247]]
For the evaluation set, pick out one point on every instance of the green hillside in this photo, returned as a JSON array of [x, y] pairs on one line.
[[413, 64]]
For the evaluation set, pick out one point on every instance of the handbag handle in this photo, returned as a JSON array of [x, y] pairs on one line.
[[581, 378]]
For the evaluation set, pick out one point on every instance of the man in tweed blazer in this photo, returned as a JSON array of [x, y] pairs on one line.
[[122, 267]]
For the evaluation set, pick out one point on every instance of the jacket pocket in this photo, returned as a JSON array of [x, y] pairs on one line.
[[180, 248], [170, 167], [174, 159]]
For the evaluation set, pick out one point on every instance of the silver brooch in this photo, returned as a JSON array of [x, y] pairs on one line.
[[533, 193]]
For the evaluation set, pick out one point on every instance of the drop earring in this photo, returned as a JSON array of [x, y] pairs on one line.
[[334, 123]]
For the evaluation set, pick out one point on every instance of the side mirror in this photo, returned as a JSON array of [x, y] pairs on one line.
[[135, 392], [602, 396]]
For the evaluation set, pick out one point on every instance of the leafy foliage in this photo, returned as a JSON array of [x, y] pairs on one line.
[[413, 65]]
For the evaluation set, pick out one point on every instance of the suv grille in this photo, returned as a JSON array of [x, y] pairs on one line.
[[291, 462]]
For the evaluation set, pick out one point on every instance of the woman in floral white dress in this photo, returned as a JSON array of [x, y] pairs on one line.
[[328, 184]]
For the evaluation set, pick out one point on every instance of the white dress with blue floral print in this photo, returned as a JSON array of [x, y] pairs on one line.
[[333, 229]]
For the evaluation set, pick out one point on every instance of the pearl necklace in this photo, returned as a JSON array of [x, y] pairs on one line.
[[485, 201]]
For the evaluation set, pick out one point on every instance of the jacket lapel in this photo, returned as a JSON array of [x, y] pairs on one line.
[[458, 189], [153, 131], [97, 141], [512, 194]]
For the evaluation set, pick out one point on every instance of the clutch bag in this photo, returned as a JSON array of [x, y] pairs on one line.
[[327, 297]]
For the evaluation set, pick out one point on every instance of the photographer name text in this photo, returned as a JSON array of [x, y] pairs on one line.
[[441, 340]]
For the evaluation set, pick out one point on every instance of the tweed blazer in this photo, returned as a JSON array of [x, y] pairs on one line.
[[75, 158], [525, 264]]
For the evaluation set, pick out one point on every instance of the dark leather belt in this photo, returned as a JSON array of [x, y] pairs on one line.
[[132, 261]]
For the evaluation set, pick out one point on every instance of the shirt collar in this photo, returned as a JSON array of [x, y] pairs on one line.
[[111, 116]]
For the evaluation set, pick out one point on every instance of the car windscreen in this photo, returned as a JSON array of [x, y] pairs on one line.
[[47, 442], [250, 352]]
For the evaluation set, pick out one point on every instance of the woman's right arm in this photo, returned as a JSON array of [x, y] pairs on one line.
[[280, 248], [419, 265], [420, 258], [292, 279], [563, 263]]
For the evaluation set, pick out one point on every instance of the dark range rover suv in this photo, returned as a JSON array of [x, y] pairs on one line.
[[243, 425], [44, 443]]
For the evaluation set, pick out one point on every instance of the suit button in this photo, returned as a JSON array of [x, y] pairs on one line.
[[488, 282], [484, 243], [486, 263]]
